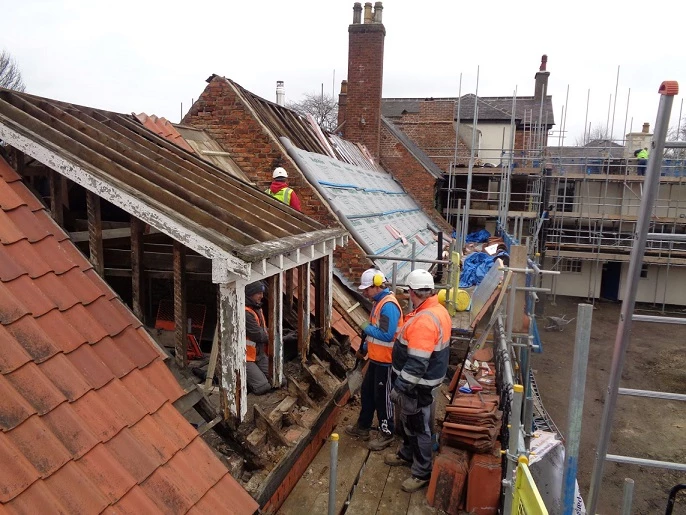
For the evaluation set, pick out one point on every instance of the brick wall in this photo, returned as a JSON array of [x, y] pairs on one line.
[[416, 180], [365, 82], [221, 112]]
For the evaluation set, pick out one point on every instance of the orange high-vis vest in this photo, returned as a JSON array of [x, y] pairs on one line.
[[250, 346], [379, 350]]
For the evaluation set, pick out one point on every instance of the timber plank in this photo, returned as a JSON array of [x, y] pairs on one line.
[[311, 493], [393, 499], [370, 487], [418, 504]]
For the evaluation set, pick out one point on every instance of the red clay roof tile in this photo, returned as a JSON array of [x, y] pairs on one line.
[[8, 198], [102, 285], [52, 287], [212, 502], [24, 254], [168, 491], [16, 472], [81, 286], [136, 383], [10, 307], [65, 377], [120, 400], [35, 499], [134, 502], [75, 490], [152, 435], [76, 257], [156, 373], [13, 355], [56, 255], [70, 429], [9, 269], [29, 295], [39, 446], [9, 232], [45, 222], [14, 409], [126, 313], [31, 201], [60, 331], [89, 327], [129, 342], [7, 173], [33, 230], [203, 461], [103, 468], [96, 415], [110, 316], [138, 460], [178, 428], [113, 358], [32, 384], [90, 366], [32, 338]]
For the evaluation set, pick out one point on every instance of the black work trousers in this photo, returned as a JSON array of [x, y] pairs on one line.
[[376, 397]]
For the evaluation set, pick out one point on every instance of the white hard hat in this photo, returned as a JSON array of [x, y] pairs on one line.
[[279, 172], [420, 280], [372, 277]]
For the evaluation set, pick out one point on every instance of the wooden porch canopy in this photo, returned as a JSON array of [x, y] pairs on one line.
[[246, 234]]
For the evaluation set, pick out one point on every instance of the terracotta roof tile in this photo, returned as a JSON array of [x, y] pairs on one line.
[[35, 499], [185, 474], [7, 173], [8, 198], [52, 287], [16, 472], [126, 313], [9, 269], [32, 384], [138, 460], [204, 464], [137, 383], [75, 490], [103, 468], [76, 257], [13, 355], [9, 232], [70, 429], [81, 286], [10, 307], [23, 193], [97, 416], [110, 316], [177, 427], [168, 491], [45, 222], [14, 409], [23, 217], [39, 446], [118, 362], [156, 373], [65, 376], [120, 400], [32, 338], [90, 366], [61, 331], [129, 343], [56, 255], [102, 286], [29, 295], [212, 502], [151, 434], [134, 502], [89, 327]]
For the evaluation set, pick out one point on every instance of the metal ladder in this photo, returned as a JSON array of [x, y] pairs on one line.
[[667, 91]]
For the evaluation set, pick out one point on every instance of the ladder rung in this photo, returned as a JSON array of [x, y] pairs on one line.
[[650, 393], [647, 463], [658, 320]]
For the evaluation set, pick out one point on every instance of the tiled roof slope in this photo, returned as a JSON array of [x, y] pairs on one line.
[[164, 128], [87, 423]]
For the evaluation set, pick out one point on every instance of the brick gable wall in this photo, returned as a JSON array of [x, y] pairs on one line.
[[222, 113]]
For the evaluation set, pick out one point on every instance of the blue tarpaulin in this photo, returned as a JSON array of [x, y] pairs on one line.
[[478, 236], [475, 266]]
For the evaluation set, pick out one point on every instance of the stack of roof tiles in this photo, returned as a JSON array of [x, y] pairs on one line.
[[87, 423], [472, 422]]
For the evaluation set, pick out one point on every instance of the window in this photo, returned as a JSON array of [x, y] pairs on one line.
[[570, 265], [565, 196], [644, 271]]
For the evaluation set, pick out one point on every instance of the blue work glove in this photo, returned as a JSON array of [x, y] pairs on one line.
[[364, 325]]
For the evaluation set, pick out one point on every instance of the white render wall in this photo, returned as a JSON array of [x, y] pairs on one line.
[[574, 284], [660, 285]]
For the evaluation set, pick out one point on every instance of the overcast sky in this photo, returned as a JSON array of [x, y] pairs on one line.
[[150, 56]]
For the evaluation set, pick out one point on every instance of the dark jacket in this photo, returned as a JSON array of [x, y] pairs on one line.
[[252, 330]]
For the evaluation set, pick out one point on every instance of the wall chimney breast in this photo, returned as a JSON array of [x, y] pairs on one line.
[[357, 13], [367, 12]]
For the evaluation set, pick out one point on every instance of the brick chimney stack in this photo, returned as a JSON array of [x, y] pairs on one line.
[[362, 109], [342, 102], [542, 75], [646, 128]]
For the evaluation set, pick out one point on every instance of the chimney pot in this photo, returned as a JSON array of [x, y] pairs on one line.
[[544, 61], [280, 93], [646, 128], [357, 13], [378, 11], [368, 12], [344, 87]]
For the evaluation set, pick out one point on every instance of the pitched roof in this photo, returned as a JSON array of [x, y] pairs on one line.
[[87, 422], [421, 156], [490, 108], [117, 151]]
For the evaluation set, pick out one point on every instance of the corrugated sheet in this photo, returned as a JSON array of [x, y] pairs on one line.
[[381, 216], [118, 150], [87, 423]]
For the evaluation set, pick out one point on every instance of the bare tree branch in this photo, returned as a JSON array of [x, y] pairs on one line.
[[323, 108], [10, 76]]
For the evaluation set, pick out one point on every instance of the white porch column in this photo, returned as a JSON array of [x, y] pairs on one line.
[[234, 400]]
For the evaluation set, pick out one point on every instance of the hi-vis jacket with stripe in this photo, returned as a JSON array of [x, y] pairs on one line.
[[255, 331], [422, 349], [385, 322]]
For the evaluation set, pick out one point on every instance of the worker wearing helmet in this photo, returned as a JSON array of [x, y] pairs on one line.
[[256, 340], [279, 189], [380, 332], [420, 362]]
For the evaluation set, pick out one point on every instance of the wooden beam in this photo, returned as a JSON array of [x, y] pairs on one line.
[[275, 296], [180, 320], [233, 385], [304, 311], [518, 259], [96, 256], [323, 297], [288, 306], [56, 198], [212, 365], [137, 271]]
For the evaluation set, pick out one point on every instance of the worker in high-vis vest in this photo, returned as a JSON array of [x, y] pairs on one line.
[[280, 190], [420, 362], [379, 334], [642, 161], [256, 340]]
